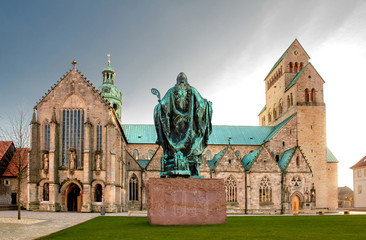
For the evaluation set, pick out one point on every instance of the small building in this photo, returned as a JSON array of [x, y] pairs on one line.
[[359, 183], [9, 158], [345, 197]]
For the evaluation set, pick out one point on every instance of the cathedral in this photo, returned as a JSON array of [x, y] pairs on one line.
[[82, 157]]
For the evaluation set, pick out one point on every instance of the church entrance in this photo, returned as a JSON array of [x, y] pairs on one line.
[[295, 203], [73, 198]]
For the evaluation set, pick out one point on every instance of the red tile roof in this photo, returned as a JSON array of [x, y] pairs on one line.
[[360, 163], [12, 169], [4, 146]]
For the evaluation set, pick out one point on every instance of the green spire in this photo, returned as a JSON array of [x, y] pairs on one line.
[[108, 90]]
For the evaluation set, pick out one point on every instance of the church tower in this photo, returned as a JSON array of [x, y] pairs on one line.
[[294, 86], [109, 91]]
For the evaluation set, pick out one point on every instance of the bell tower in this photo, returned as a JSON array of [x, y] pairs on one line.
[[109, 91]]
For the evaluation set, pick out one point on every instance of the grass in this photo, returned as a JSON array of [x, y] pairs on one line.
[[248, 227]]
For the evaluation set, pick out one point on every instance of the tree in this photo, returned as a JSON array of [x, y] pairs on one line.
[[17, 131]]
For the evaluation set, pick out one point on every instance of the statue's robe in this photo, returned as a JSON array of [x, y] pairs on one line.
[[183, 122]]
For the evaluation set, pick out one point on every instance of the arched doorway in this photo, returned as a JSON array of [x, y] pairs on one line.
[[73, 198], [295, 203]]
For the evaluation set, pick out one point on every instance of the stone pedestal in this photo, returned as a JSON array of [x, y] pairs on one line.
[[185, 201]]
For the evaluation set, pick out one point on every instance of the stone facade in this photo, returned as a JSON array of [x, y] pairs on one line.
[[359, 183], [88, 159]]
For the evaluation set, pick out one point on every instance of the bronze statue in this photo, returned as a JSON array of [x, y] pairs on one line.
[[183, 124]]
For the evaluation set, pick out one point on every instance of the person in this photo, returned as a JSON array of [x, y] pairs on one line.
[[183, 122]]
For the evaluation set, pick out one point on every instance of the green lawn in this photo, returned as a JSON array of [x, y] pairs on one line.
[[248, 227]]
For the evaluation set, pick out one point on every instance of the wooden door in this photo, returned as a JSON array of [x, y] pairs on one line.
[[295, 203]]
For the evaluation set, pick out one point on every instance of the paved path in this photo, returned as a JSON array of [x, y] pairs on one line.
[[52, 222]]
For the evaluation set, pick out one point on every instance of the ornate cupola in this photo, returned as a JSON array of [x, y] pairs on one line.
[[108, 90]]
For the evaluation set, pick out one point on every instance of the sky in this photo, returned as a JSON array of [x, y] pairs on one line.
[[226, 48]]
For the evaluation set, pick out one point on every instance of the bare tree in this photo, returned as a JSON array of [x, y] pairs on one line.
[[18, 131]]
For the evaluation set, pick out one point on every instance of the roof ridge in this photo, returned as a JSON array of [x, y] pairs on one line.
[[84, 78]]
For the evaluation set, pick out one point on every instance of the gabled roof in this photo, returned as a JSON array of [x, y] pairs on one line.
[[283, 55], [143, 163], [330, 157], [4, 146], [249, 158], [361, 163], [287, 155], [212, 163], [296, 77], [278, 128], [85, 80], [13, 167], [263, 109]]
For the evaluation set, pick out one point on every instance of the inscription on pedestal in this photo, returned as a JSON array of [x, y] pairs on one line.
[[181, 201]]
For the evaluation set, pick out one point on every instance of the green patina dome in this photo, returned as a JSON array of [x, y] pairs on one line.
[[108, 68]]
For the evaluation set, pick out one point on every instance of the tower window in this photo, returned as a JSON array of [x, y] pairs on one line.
[[296, 67], [291, 67], [312, 95], [306, 95], [277, 158]]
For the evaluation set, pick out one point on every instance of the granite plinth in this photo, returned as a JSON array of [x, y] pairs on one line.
[[185, 201]]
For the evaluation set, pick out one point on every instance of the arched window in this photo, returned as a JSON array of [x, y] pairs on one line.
[[231, 190], [99, 137], [291, 67], [277, 158], [306, 95], [296, 68], [297, 161], [280, 107], [263, 121], [98, 193], [47, 136], [288, 101], [208, 155], [238, 155], [312, 96], [136, 154], [265, 190], [292, 99], [73, 135], [301, 66], [269, 117], [150, 154], [46, 192], [134, 191], [274, 112]]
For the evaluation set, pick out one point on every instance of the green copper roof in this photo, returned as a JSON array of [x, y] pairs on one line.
[[263, 109], [240, 135], [143, 163], [278, 128], [249, 158], [330, 157], [296, 78], [108, 68], [140, 133], [216, 158], [286, 158]]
